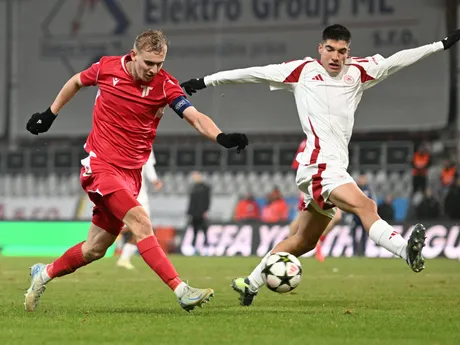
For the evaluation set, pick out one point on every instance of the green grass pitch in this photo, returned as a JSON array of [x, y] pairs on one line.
[[341, 301]]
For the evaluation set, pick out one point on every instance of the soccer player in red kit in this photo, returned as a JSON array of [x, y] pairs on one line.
[[132, 90], [294, 225]]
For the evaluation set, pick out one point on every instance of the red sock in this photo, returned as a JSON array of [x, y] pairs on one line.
[[322, 238], [71, 260], [154, 256]]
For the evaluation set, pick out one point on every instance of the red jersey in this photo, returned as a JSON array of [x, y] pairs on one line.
[[301, 148], [124, 114]]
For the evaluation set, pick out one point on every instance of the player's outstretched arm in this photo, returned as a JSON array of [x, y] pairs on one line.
[[41, 122], [236, 76], [209, 129], [405, 58], [275, 73]]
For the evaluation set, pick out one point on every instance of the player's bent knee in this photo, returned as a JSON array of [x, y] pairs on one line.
[[367, 207], [141, 228], [370, 206], [303, 245]]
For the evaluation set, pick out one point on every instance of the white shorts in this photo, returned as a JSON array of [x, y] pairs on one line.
[[143, 199], [317, 181]]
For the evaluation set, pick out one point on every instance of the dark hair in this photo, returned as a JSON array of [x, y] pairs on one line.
[[337, 32]]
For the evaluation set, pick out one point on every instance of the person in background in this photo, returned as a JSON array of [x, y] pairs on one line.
[[198, 207], [386, 210], [448, 173], [452, 201], [429, 207], [277, 209], [420, 164], [247, 209]]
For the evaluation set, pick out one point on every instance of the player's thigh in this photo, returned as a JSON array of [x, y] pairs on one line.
[[143, 199], [350, 198], [120, 203], [103, 218], [294, 225], [337, 218], [311, 225]]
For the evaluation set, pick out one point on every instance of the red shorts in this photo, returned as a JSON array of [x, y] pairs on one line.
[[113, 191]]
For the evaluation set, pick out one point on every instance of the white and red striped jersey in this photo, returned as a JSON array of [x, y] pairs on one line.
[[300, 149], [326, 104]]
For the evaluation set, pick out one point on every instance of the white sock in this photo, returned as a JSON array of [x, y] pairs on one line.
[[128, 251], [179, 290], [384, 235], [44, 275], [255, 278]]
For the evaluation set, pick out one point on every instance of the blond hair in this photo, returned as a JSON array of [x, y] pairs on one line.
[[151, 41]]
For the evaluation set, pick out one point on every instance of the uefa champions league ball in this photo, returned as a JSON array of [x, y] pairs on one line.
[[282, 272]]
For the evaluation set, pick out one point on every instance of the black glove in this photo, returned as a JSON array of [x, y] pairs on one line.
[[230, 140], [192, 85], [451, 39], [40, 122]]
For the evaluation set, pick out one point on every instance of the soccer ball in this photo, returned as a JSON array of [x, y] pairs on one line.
[[282, 272]]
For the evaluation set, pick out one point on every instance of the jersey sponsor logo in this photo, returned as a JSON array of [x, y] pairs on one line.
[[146, 90], [348, 79], [115, 81]]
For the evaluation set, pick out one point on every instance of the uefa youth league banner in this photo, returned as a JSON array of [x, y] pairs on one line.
[[60, 37], [443, 240]]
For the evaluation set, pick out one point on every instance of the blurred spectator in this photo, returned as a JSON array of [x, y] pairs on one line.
[[357, 230], [247, 209], [448, 173], [277, 209], [386, 210], [199, 202], [429, 207], [420, 164], [452, 201]]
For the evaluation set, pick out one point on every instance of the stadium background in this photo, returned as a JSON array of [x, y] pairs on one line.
[[45, 42]]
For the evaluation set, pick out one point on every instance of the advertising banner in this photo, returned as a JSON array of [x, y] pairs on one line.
[[443, 240], [38, 208], [42, 238]]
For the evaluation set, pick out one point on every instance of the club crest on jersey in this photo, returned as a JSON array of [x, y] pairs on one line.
[[146, 90], [348, 79]]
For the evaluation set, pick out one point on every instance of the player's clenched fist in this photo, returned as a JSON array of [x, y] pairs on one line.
[[40, 122], [191, 86], [451, 39], [238, 140]]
